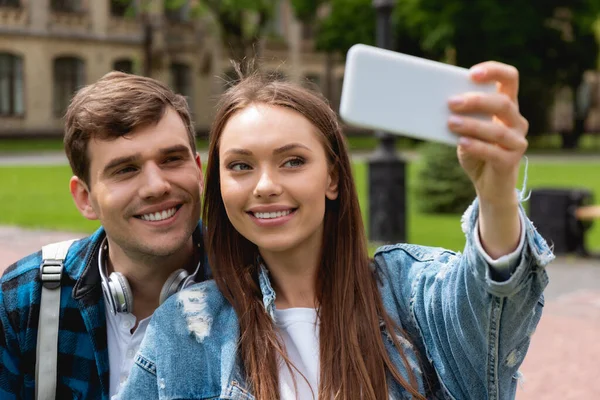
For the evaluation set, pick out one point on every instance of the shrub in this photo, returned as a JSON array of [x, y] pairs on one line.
[[443, 186]]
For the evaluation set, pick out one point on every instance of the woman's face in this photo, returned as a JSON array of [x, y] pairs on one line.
[[275, 178]]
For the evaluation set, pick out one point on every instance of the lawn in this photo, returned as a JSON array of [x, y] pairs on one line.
[[444, 230], [38, 197]]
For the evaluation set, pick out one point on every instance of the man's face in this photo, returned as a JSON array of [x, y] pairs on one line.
[[144, 188]]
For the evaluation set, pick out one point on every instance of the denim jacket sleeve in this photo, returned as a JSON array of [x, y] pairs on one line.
[[474, 328]]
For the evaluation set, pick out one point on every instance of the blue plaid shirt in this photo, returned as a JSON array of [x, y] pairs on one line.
[[83, 368]]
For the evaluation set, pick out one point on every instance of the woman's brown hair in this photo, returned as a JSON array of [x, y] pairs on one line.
[[353, 358]]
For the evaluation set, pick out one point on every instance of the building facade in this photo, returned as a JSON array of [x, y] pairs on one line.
[[50, 48]]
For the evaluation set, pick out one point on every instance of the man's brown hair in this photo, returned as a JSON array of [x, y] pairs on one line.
[[114, 106]]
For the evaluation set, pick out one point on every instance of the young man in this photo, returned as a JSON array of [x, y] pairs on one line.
[[131, 146]]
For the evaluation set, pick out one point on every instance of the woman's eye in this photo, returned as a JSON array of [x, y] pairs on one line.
[[239, 167], [294, 163]]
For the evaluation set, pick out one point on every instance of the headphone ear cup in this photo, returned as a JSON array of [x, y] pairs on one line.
[[172, 284], [109, 298], [121, 292]]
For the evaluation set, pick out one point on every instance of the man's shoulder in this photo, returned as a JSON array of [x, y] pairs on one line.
[[23, 274], [21, 267]]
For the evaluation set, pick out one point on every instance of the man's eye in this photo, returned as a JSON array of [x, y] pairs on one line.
[[173, 159], [294, 163], [239, 167], [125, 170]]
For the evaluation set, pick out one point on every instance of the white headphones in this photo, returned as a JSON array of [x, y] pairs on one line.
[[117, 291]]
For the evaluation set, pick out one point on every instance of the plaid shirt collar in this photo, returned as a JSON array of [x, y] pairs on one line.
[[87, 276]]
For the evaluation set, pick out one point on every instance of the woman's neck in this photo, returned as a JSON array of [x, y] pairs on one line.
[[293, 276]]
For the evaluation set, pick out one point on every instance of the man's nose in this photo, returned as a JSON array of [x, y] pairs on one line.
[[155, 183]]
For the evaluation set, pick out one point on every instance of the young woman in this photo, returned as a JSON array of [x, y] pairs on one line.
[[298, 310]]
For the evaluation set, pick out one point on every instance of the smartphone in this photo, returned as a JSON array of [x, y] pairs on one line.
[[402, 94]]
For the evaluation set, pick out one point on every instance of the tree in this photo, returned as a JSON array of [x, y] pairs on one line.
[[348, 22], [551, 42], [242, 24]]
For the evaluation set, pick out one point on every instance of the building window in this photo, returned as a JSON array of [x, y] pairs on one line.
[[11, 85], [69, 76], [177, 13], [10, 3], [68, 6], [119, 8], [181, 80], [123, 65]]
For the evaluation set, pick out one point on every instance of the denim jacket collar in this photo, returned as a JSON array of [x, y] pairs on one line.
[[267, 290]]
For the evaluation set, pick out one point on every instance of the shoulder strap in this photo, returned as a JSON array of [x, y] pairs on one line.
[[51, 268]]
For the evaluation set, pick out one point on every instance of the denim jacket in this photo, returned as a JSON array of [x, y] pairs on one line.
[[470, 329]]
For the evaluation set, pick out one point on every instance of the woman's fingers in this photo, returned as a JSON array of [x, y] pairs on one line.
[[488, 131], [499, 105], [488, 152], [505, 75]]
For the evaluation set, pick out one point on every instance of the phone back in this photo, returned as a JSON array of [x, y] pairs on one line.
[[402, 94]]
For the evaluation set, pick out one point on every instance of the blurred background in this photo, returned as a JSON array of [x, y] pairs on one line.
[[409, 190]]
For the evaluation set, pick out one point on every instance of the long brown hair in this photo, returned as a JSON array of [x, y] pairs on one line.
[[353, 358]]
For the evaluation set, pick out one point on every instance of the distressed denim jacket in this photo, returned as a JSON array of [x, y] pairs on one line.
[[468, 331]]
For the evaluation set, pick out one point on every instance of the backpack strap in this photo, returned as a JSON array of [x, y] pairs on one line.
[[51, 268]]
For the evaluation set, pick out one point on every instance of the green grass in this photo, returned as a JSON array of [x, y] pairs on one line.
[[38, 197], [30, 145], [444, 230]]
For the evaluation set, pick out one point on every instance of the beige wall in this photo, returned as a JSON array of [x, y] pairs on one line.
[[38, 54], [39, 36]]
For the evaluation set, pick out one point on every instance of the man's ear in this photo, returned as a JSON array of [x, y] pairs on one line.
[[81, 197], [332, 183]]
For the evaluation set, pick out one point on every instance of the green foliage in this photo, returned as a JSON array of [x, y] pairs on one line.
[[551, 42], [349, 22], [306, 10], [443, 185]]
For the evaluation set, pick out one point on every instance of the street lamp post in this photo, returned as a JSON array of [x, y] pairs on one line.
[[387, 183]]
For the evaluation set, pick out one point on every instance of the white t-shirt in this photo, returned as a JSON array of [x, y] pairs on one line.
[[122, 347], [299, 329]]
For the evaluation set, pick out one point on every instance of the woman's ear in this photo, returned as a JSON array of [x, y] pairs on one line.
[[81, 197], [332, 183]]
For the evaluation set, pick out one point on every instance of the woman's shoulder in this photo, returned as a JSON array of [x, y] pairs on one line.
[[414, 253], [200, 310]]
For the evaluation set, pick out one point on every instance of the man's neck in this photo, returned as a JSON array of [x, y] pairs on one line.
[[147, 274]]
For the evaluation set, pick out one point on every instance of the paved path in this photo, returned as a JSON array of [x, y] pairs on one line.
[[564, 358]]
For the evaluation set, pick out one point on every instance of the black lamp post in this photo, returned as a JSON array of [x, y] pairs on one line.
[[387, 183]]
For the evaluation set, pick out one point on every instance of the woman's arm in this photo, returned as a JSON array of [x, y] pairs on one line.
[[490, 152], [473, 323], [473, 328]]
